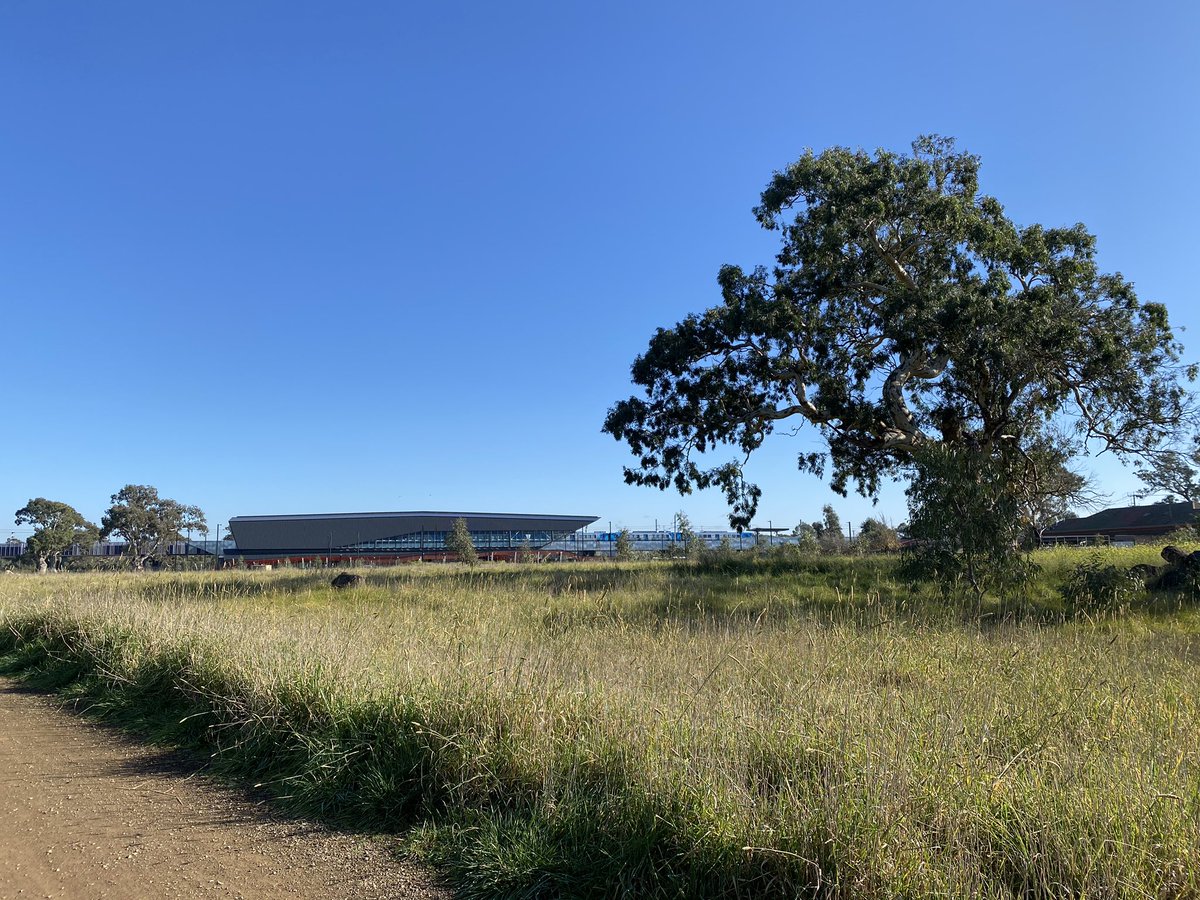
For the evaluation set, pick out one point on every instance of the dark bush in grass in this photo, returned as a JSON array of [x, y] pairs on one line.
[[1098, 587]]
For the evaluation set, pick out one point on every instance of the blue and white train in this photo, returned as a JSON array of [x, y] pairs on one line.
[[604, 543]]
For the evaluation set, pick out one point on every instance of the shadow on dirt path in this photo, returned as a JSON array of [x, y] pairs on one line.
[[89, 813]]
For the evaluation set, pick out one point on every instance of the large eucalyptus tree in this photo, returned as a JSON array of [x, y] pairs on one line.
[[57, 528], [148, 522], [905, 315]]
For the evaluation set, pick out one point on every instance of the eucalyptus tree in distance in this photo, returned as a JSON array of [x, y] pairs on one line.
[[693, 546], [829, 531], [1173, 471], [459, 542], [876, 536], [623, 550], [57, 528], [906, 317], [148, 522]]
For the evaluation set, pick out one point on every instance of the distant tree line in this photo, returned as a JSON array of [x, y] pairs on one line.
[[826, 535], [145, 521]]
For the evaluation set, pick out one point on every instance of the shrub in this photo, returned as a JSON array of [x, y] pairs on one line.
[[966, 519], [1094, 586], [459, 542], [624, 547]]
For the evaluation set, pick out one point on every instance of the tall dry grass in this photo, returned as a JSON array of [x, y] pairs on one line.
[[650, 730]]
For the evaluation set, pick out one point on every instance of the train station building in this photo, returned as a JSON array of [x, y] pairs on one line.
[[394, 536]]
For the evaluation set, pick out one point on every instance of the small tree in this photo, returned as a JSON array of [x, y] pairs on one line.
[[829, 531], [148, 522], [1044, 485], [967, 523], [624, 548], [807, 535], [57, 528], [1175, 472], [459, 542], [692, 544], [876, 536]]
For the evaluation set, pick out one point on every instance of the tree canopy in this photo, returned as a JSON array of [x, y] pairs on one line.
[[829, 530], [692, 543], [57, 528], [148, 522], [623, 549], [460, 543], [876, 536], [1174, 471], [905, 314]]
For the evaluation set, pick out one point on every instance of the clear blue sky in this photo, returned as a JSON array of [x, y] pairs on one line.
[[282, 257]]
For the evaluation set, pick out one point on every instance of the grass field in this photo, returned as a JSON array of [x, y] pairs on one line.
[[808, 729]]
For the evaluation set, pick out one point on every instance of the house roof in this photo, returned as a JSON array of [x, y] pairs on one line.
[[1157, 517]]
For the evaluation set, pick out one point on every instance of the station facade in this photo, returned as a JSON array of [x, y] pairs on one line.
[[394, 536]]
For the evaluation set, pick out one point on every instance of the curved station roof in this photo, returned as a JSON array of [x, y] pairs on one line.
[[387, 531]]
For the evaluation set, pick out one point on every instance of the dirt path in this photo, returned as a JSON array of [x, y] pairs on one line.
[[85, 813]]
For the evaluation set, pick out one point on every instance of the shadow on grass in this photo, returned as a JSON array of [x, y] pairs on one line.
[[720, 591], [397, 768], [747, 593]]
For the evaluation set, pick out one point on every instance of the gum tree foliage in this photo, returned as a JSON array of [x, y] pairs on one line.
[[1047, 487], [966, 523], [807, 535], [148, 522], [692, 544], [57, 527], [906, 318], [830, 538], [1174, 471], [624, 545], [974, 516], [876, 536], [459, 542]]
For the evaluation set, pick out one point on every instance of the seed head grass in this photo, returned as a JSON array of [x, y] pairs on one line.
[[668, 730]]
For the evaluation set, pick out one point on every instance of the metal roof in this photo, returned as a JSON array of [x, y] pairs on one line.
[[394, 515], [1157, 517], [323, 532]]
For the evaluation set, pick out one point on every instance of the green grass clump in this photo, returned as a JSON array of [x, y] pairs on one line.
[[817, 729]]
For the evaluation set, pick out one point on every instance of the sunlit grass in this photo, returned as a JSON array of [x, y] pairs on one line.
[[662, 730]]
